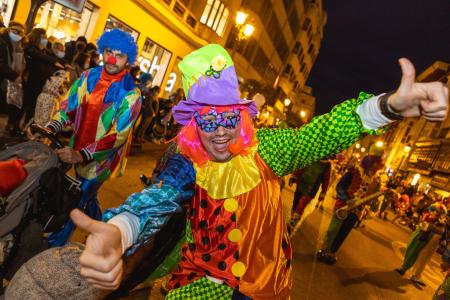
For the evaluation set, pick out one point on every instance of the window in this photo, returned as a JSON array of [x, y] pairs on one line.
[[303, 68], [311, 49], [294, 21], [297, 47], [154, 59], [281, 46], [250, 49], [260, 61], [113, 22], [288, 69], [307, 24], [66, 24], [300, 55], [215, 16], [6, 9]]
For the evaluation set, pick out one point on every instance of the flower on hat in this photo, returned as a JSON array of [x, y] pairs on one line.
[[218, 63]]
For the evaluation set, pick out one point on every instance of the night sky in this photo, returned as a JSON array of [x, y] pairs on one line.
[[364, 38]]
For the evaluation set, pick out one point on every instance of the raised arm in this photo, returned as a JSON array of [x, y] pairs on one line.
[[286, 150]]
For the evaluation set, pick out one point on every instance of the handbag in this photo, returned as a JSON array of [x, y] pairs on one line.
[[14, 94]]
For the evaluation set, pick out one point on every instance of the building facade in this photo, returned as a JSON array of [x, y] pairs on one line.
[[280, 53], [419, 148], [283, 49]]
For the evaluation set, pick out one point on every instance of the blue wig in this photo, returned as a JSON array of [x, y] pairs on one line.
[[119, 40]]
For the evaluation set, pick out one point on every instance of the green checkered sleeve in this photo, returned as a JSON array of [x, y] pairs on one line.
[[201, 289], [286, 150]]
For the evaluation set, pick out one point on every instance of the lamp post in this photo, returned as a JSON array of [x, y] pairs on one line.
[[244, 29], [405, 152]]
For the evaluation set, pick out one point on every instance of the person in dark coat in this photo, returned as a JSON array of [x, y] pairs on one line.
[[10, 69], [37, 71], [75, 47]]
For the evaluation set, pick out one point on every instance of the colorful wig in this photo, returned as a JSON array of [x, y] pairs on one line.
[[119, 40], [190, 145]]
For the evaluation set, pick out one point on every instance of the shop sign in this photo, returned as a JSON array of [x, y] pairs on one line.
[[153, 67]]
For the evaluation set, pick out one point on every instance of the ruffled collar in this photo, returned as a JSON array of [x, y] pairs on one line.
[[229, 179]]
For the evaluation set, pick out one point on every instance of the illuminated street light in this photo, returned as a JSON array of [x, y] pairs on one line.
[[357, 146], [241, 17], [415, 179], [363, 149], [407, 149], [302, 114], [379, 144], [287, 102], [248, 30]]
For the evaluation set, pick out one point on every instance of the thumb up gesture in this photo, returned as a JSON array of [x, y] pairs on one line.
[[101, 261], [414, 99]]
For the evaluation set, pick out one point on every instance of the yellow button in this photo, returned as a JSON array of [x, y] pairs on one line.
[[235, 235], [230, 205], [238, 269]]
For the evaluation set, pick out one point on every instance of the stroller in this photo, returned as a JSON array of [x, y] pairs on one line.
[[40, 204]]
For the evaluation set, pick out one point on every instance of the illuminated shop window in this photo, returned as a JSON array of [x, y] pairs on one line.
[[154, 59], [174, 80], [6, 8], [215, 16], [64, 23], [112, 22]]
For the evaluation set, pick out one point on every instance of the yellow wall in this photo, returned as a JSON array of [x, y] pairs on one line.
[[23, 7]]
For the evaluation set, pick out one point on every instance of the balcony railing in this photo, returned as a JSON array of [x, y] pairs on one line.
[[181, 11]]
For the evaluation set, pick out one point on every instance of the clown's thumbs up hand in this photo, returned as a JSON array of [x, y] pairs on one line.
[[101, 261], [414, 99]]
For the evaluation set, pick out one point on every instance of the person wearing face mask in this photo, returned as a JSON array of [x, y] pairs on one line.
[[81, 63], [57, 51], [37, 62], [12, 65], [74, 47]]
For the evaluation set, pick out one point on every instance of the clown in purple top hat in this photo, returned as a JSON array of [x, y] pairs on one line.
[[226, 173]]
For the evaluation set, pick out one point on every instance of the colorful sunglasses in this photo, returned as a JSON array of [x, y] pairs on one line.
[[210, 121]]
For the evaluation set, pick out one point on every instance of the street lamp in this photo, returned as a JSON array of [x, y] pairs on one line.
[[415, 179], [248, 30], [241, 17], [406, 149], [302, 114], [379, 144], [358, 145], [244, 29], [363, 149], [287, 102]]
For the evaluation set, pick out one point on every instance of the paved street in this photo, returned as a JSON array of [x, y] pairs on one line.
[[365, 262], [365, 266]]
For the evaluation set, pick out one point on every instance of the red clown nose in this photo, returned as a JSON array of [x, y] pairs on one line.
[[111, 60]]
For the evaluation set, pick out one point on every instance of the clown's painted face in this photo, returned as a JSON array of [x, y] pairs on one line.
[[217, 131], [114, 61]]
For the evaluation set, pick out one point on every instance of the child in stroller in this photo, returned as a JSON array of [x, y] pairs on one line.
[[40, 202]]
